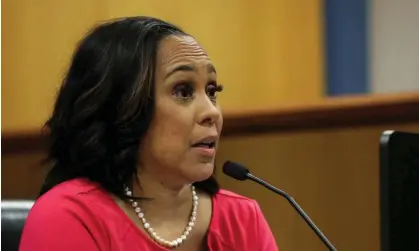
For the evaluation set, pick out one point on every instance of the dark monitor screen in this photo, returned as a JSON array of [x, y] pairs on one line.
[[399, 191]]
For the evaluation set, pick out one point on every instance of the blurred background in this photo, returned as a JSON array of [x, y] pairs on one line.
[[340, 72]]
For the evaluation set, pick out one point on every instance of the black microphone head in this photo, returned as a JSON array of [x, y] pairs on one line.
[[235, 170]]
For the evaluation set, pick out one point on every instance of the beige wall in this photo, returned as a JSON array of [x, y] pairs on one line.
[[260, 48]]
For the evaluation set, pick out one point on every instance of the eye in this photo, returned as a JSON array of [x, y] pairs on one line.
[[212, 90], [183, 91]]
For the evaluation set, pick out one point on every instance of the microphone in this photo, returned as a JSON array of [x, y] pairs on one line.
[[239, 172]]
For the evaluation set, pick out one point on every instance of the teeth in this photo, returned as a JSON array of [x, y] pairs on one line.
[[207, 144]]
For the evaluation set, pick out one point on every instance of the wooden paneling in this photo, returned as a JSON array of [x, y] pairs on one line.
[[341, 112], [22, 174], [332, 174]]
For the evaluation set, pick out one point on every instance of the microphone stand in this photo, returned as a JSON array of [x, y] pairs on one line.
[[297, 207]]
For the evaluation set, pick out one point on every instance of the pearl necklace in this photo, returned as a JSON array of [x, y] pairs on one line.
[[153, 234]]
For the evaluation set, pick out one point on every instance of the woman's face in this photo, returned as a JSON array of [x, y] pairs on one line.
[[183, 136]]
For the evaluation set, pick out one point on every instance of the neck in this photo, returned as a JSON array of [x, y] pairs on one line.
[[166, 199]]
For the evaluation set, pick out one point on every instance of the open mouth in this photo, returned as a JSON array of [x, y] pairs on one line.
[[208, 145]]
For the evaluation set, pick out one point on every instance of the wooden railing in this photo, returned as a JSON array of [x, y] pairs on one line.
[[337, 112]]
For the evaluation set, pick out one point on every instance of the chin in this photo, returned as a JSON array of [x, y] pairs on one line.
[[201, 173]]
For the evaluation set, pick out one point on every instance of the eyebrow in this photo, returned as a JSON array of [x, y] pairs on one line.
[[189, 67]]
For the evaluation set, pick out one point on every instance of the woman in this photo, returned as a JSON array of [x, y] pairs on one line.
[[133, 137]]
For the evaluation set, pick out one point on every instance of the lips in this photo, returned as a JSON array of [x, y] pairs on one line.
[[207, 142]]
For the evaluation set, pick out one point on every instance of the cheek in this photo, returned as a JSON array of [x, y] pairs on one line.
[[171, 135]]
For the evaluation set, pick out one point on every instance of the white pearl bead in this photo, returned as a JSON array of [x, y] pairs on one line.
[[153, 234]]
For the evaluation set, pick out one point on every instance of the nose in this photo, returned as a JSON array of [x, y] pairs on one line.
[[209, 113]]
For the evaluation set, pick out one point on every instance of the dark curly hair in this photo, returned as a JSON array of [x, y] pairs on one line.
[[105, 105]]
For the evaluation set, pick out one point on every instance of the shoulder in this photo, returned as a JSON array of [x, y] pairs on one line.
[[233, 201], [238, 221], [74, 204], [72, 195], [237, 209], [231, 195], [68, 200], [65, 216]]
